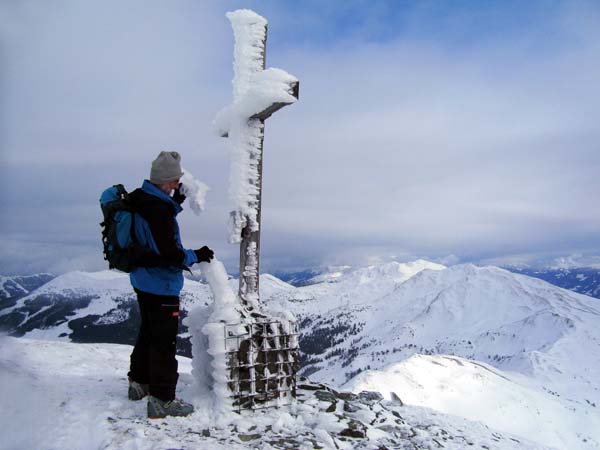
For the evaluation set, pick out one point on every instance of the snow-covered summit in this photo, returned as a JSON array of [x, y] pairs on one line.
[[393, 271], [74, 396], [342, 288], [87, 281]]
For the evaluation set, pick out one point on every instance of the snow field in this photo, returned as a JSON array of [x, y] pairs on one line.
[[64, 396], [505, 401]]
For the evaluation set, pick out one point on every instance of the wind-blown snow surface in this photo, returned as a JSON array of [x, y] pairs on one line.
[[477, 391], [64, 396]]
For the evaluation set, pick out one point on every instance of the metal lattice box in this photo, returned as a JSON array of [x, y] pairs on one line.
[[262, 361]]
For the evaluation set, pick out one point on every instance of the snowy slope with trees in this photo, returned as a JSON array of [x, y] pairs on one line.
[[96, 307], [85, 307]]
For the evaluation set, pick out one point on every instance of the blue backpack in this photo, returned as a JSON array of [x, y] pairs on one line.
[[121, 249]]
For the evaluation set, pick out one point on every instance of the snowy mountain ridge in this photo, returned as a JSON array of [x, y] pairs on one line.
[[15, 287], [581, 275], [482, 313]]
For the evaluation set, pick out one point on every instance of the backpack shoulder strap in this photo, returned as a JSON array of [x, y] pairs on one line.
[[148, 206]]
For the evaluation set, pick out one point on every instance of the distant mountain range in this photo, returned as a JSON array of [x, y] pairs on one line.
[[484, 313], [510, 321], [584, 280], [312, 276], [15, 287]]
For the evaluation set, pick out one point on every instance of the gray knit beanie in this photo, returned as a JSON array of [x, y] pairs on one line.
[[166, 167]]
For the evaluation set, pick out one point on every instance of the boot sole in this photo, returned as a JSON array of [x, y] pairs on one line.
[[168, 415]]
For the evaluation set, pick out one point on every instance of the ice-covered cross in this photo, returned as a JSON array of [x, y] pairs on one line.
[[257, 93]]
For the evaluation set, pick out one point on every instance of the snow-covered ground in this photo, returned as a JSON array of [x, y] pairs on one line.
[[505, 401], [64, 396]]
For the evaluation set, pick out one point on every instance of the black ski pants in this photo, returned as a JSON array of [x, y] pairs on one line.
[[153, 358]]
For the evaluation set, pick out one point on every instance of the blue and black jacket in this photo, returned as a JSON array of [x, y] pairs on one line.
[[156, 229]]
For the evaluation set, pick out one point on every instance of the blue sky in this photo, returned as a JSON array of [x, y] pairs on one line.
[[458, 24], [455, 131]]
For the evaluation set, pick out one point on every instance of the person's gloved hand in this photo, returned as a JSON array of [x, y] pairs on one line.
[[178, 196], [204, 254]]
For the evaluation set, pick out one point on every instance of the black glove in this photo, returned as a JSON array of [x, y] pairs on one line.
[[178, 196], [204, 254]]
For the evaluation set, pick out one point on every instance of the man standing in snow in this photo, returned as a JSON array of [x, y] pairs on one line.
[[153, 369]]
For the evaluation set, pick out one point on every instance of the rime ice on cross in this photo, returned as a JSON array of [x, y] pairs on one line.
[[257, 93]]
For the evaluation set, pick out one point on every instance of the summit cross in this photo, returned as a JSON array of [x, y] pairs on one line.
[[257, 94]]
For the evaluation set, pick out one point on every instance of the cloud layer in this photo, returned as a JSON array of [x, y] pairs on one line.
[[477, 138]]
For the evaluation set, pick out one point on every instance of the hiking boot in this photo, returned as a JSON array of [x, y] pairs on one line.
[[136, 390], [157, 409]]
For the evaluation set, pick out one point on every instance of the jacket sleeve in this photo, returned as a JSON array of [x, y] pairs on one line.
[[190, 257]]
